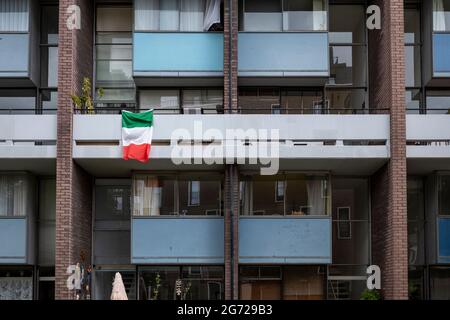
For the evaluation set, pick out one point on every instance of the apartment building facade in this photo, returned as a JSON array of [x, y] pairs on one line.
[[364, 156]]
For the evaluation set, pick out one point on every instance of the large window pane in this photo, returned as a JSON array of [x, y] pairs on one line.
[[207, 99], [49, 31], [114, 19], [47, 222], [258, 100], [17, 101], [346, 282], [302, 101], [412, 26], [348, 65], [413, 101], [185, 283], [112, 202], [412, 66], [439, 283], [303, 283], [441, 15], [438, 102], [263, 15], [16, 195], [49, 65], [14, 15], [444, 195], [304, 15], [346, 101], [153, 195], [200, 197], [164, 101], [296, 195], [347, 24]]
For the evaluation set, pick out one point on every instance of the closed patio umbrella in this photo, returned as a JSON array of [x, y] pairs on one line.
[[118, 290]]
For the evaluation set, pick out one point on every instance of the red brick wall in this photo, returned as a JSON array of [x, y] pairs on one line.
[[231, 171], [389, 207], [73, 184]]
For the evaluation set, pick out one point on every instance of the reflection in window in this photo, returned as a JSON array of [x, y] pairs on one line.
[[346, 100], [181, 283], [114, 55], [302, 195], [166, 195], [439, 283], [416, 222], [281, 283], [288, 15], [413, 101], [17, 101], [177, 15], [438, 102]]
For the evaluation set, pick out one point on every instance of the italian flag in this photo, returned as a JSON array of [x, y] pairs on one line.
[[137, 132]]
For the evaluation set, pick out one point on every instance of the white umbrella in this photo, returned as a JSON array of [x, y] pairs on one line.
[[118, 290]]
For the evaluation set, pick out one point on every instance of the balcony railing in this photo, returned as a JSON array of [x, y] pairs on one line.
[[117, 108]]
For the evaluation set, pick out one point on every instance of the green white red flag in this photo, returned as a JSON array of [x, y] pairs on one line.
[[137, 133]]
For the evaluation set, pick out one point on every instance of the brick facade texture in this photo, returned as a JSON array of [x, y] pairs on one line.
[[231, 197], [389, 204], [73, 184]]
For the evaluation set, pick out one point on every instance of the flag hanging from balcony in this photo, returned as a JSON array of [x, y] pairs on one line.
[[137, 132]]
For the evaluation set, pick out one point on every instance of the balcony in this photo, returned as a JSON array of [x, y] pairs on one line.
[[177, 54], [285, 240], [309, 142], [177, 240], [28, 142], [428, 143], [288, 54]]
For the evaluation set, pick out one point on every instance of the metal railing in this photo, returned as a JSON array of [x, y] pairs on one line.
[[33, 111]]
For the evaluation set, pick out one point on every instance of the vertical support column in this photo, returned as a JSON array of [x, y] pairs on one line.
[[389, 206], [231, 171], [73, 184]]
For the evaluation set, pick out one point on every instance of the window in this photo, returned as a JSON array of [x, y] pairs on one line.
[[287, 15], [48, 95], [194, 193], [16, 283], [16, 195], [114, 56], [344, 225], [17, 101], [14, 15], [181, 283], [416, 221], [279, 191], [350, 215], [177, 195], [444, 195], [177, 15], [296, 195], [438, 101], [441, 15], [413, 65], [166, 101], [47, 222], [439, 283], [346, 91]]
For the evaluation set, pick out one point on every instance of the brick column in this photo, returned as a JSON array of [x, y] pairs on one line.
[[389, 206], [73, 184], [231, 197]]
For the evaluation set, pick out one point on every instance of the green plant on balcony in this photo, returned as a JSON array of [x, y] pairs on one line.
[[85, 102], [370, 295]]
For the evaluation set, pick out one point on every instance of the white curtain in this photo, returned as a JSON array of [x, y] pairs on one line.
[[212, 14], [438, 15], [315, 200], [146, 15], [169, 16], [146, 196], [14, 15], [319, 15], [20, 190], [192, 15], [3, 196]]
